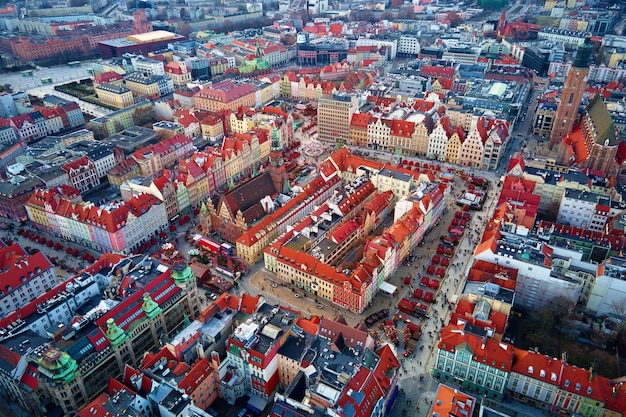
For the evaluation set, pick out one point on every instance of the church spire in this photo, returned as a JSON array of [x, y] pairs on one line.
[[275, 137], [277, 163]]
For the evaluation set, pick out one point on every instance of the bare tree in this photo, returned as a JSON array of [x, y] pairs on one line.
[[619, 309]]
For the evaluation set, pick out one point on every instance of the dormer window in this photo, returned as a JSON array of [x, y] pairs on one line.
[[553, 376], [566, 383], [578, 386], [589, 389], [530, 369], [542, 373]]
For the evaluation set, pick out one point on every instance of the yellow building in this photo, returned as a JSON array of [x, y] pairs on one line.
[[268, 93], [616, 59], [212, 127], [141, 85], [36, 209], [421, 135], [218, 66], [178, 72], [453, 150], [544, 119], [472, 149], [289, 359], [116, 96], [123, 172], [334, 114], [549, 5], [226, 95]]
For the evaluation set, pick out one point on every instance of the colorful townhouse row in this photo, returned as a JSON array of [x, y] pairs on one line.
[[309, 253], [426, 128], [495, 369], [301, 85], [117, 227], [341, 165], [40, 122]]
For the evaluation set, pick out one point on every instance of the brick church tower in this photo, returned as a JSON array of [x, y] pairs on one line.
[[142, 24], [277, 163], [571, 96]]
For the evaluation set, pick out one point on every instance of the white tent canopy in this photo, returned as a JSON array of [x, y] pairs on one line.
[[388, 289]]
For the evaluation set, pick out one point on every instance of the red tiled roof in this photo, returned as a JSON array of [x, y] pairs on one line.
[[76, 164], [578, 144], [19, 121], [352, 337], [175, 68], [107, 77], [30, 377], [360, 120], [17, 268], [341, 233], [96, 408], [402, 128], [580, 381], [437, 71], [199, 372], [485, 350]]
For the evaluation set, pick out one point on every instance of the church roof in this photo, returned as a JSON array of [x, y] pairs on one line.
[[247, 197], [602, 121]]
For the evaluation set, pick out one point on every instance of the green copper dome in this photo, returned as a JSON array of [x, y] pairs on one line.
[[181, 274], [151, 308], [114, 333], [57, 365]]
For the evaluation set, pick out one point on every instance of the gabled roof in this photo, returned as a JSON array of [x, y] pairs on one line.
[[17, 267], [583, 382], [603, 126], [537, 366], [484, 350], [174, 67], [356, 339], [107, 77], [77, 164], [200, 371], [451, 402], [247, 197], [576, 139], [360, 120]]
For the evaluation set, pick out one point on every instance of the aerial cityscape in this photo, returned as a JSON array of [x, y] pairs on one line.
[[290, 208]]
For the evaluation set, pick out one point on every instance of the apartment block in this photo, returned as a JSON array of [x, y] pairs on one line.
[[334, 114]]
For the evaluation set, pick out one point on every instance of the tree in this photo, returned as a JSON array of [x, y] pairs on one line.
[[185, 29], [142, 115], [454, 19], [406, 13], [619, 309]]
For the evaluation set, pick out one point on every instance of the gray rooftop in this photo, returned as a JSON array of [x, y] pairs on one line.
[[132, 138], [17, 185], [142, 79], [294, 347], [554, 177], [395, 174], [112, 88], [588, 196]]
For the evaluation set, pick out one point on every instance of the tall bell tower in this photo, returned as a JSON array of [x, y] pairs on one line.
[[277, 163], [571, 96]]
